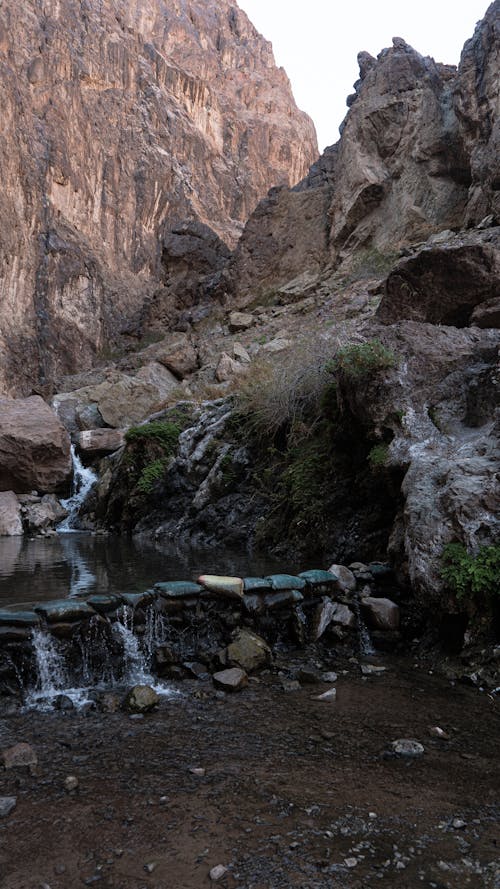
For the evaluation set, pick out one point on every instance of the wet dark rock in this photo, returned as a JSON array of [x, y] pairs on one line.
[[63, 702], [64, 610], [308, 675], [178, 589], [272, 601], [286, 582], [382, 614], [346, 581], [19, 618]]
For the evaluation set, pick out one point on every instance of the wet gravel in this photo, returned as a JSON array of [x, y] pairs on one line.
[[295, 792]]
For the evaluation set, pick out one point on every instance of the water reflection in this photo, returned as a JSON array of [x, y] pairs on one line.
[[33, 570]]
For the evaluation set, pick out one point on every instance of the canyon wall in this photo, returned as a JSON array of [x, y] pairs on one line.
[[418, 153], [123, 119]]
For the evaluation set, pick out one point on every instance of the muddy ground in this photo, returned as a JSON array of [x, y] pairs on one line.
[[296, 792]]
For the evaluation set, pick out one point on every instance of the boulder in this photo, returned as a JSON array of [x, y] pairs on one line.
[[26, 619], [45, 514], [286, 582], [180, 357], [381, 614], [281, 599], [178, 589], [346, 581], [248, 651], [227, 368], [233, 679], [240, 321], [141, 699], [329, 612], [100, 441], [10, 515], [34, 447], [19, 756], [240, 354]]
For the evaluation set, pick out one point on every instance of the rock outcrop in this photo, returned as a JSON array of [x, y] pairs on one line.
[[418, 153], [122, 121], [34, 447]]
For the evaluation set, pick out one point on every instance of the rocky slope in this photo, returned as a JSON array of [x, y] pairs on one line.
[[121, 122], [418, 154]]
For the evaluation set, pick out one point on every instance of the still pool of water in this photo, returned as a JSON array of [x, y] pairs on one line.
[[34, 570]]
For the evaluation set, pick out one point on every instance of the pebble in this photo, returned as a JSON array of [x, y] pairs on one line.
[[150, 867], [7, 805], [218, 872], [350, 862], [407, 747], [329, 677], [199, 772], [458, 824], [436, 732], [327, 696], [71, 783], [372, 670]]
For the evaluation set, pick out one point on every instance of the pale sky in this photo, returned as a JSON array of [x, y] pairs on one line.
[[317, 42]]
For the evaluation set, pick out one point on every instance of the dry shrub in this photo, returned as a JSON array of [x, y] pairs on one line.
[[285, 392]]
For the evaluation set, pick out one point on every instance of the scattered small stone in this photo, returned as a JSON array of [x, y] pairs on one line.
[[329, 677], [350, 862], [218, 872], [63, 702], [150, 867], [327, 696], [372, 815], [436, 732], [372, 670], [289, 685], [7, 805], [18, 756], [71, 783], [407, 747], [199, 772], [458, 824]]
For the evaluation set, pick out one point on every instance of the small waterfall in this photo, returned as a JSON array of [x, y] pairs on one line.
[[366, 647], [52, 675], [84, 479], [135, 667]]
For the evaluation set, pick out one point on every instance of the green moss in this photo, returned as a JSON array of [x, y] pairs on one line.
[[471, 577], [165, 432], [150, 474], [378, 456]]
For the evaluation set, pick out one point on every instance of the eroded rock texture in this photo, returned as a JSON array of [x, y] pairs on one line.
[[120, 121], [419, 152]]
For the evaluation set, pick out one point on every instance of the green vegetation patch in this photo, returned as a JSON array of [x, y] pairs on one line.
[[471, 577], [378, 456], [357, 362]]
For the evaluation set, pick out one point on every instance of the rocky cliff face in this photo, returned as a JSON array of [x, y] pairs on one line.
[[122, 120], [418, 153]]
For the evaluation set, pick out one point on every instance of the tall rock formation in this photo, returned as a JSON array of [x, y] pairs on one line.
[[122, 119], [418, 153]]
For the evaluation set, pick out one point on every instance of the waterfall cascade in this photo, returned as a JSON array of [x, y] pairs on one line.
[[84, 479], [98, 666]]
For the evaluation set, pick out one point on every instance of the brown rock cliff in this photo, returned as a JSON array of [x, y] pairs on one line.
[[119, 121]]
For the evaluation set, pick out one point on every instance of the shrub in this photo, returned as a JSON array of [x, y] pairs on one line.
[[378, 456], [471, 576], [360, 361]]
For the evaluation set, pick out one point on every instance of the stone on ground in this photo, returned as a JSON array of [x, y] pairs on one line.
[[407, 747], [19, 756], [141, 699], [7, 805], [233, 679], [248, 651], [346, 581], [218, 872]]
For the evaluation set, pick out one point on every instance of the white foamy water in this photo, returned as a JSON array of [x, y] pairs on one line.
[[84, 479]]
